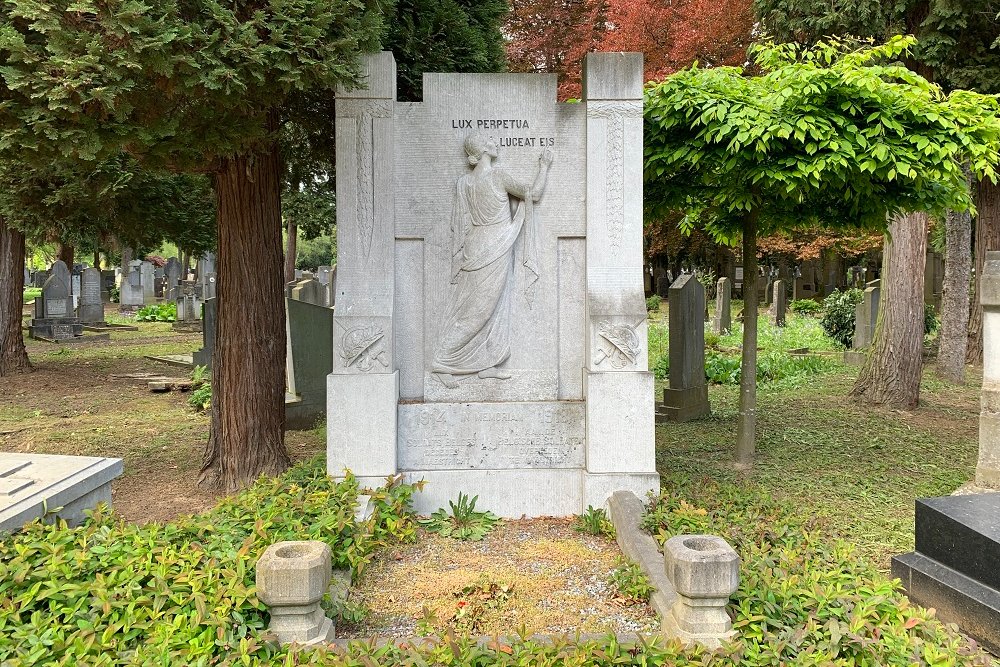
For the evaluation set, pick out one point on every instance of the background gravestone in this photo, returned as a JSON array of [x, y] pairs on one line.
[[865, 315], [172, 275], [310, 333], [308, 290], [147, 280], [91, 310], [555, 411], [54, 319], [203, 357], [779, 304], [686, 397], [130, 292], [722, 321]]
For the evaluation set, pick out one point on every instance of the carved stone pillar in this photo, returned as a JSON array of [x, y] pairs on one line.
[[363, 389], [618, 386]]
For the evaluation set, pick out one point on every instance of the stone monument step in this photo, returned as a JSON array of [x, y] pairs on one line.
[[959, 599], [963, 533]]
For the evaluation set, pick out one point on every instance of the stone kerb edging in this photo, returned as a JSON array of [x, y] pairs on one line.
[[625, 511]]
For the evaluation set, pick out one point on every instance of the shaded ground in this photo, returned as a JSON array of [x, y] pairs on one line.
[[539, 575], [71, 405]]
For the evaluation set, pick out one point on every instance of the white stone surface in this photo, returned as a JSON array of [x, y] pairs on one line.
[[490, 257], [361, 424], [988, 466], [33, 484]]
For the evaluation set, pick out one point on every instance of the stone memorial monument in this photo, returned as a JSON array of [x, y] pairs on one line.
[[490, 329], [54, 320], [722, 322], [188, 307], [988, 468], [779, 304], [173, 277], [686, 397], [130, 292], [91, 310], [865, 315]]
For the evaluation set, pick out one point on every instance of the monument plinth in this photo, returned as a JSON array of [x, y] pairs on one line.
[[490, 329]]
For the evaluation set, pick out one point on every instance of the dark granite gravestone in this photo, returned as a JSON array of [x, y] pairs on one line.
[[686, 397], [54, 319], [954, 568], [172, 273], [203, 357], [310, 328], [91, 310]]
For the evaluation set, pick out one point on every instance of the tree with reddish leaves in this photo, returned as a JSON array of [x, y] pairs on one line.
[[554, 37]]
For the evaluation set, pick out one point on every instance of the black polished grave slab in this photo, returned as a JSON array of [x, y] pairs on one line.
[[962, 532], [971, 605]]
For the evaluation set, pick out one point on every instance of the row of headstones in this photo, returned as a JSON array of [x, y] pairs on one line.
[[144, 284], [319, 289], [60, 313]]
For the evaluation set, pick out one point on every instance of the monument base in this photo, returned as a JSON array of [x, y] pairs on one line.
[[953, 568], [54, 329], [513, 494], [681, 405]]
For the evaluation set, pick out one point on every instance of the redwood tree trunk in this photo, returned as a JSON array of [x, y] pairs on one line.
[[97, 259], [13, 357], [746, 429], [65, 253], [248, 367], [291, 248], [891, 373], [955, 297], [987, 196]]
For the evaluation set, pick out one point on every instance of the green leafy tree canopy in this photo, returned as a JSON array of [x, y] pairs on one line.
[[829, 133]]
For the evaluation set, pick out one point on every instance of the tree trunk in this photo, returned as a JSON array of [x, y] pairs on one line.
[[746, 430], [291, 248], [97, 259], [987, 196], [13, 357], [185, 262], [65, 253], [955, 298], [248, 367], [891, 373]]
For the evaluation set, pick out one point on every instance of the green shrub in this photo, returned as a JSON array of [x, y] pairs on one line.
[[111, 593], [806, 307], [114, 294], [722, 368], [31, 293], [931, 321], [653, 303], [771, 367], [201, 398], [838, 318], [464, 522], [161, 312], [658, 346], [594, 521], [633, 586]]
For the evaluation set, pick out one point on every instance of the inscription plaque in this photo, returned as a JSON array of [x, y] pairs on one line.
[[485, 436], [56, 307], [91, 292], [62, 330]]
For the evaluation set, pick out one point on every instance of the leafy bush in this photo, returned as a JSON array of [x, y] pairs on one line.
[[464, 522], [804, 598], [931, 321], [653, 303], [806, 307], [201, 398], [161, 312], [594, 521], [111, 593], [633, 586], [771, 367], [838, 318], [114, 294]]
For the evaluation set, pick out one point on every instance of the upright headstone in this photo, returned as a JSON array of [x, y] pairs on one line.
[[159, 282], [933, 279], [661, 282], [109, 278], [147, 279], [60, 270], [309, 290], [54, 318], [722, 322], [203, 357], [686, 397], [27, 277], [778, 304], [865, 315], [988, 468], [91, 310], [172, 272], [39, 278], [769, 292], [206, 265], [453, 362], [188, 307], [130, 293], [208, 286], [310, 360]]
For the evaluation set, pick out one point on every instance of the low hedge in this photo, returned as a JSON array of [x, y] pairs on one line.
[[182, 593]]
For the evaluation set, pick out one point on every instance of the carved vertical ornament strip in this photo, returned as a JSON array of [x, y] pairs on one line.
[[369, 110], [615, 113]]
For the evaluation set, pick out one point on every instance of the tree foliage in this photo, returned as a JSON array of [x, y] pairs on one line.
[[830, 135]]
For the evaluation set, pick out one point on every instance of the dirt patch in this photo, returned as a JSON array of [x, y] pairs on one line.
[[72, 405], [538, 576]]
